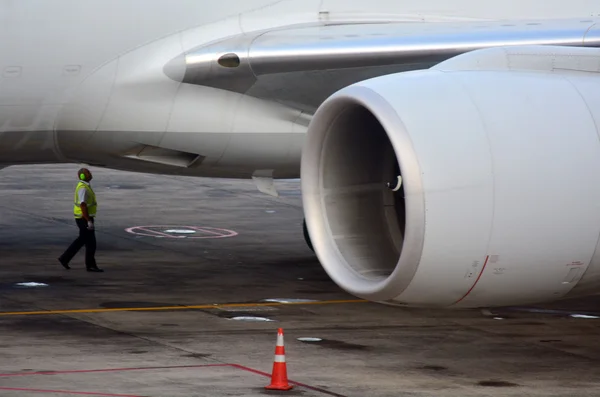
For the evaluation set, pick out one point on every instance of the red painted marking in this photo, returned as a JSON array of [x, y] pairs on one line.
[[476, 281], [309, 387], [156, 232], [149, 231], [79, 393], [205, 230], [85, 371]]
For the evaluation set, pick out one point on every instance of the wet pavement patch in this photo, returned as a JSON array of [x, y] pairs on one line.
[[336, 344], [249, 309], [435, 368], [254, 314], [56, 326], [496, 383], [528, 323], [138, 352], [317, 278], [196, 355], [125, 305], [239, 314], [540, 313], [219, 193]]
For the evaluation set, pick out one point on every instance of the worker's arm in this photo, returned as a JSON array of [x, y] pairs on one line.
[[86, 216], [84, 212], [84, 209]]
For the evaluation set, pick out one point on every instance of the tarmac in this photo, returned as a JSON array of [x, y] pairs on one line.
[[200, 274]]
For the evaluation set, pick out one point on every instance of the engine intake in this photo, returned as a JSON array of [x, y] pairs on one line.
[[360, 226], [501, 186]]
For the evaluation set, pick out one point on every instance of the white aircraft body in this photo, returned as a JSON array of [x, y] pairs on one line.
[[488, 110]]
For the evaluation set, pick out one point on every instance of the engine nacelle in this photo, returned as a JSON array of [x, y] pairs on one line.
[[500, 203]]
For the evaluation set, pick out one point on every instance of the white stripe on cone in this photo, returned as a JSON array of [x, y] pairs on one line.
[[279, 358]]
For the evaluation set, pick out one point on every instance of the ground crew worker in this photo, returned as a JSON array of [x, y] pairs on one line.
[[85, 212]]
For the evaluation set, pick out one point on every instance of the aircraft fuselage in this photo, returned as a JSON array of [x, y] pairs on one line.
[[85, 81]]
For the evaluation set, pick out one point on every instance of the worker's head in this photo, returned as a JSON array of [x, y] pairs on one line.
[[84, 175]]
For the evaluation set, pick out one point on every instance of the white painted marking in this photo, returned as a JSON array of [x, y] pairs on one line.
[[192, 232], [251, 318], [310, 339], [270, 212], [583, 316], [486, 312], [32, 284], [282, 300], [498, 318]]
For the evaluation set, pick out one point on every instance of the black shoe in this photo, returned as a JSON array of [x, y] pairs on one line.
[[64, 264], [95, 270]]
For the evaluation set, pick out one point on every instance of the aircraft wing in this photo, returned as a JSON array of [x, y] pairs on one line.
[[301, 66]]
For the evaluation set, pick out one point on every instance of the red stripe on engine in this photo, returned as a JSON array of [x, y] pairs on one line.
[[476, 281]]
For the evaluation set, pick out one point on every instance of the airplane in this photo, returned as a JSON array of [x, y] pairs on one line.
[[488, 112]]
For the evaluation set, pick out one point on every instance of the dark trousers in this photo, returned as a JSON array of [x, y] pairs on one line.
[[86, 237]]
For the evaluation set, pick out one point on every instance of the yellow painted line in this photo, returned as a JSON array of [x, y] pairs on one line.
[[192, 307]]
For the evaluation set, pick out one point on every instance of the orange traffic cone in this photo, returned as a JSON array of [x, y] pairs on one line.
[[279, 380]]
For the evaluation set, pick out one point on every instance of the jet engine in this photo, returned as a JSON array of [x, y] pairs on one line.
[[500, 196]]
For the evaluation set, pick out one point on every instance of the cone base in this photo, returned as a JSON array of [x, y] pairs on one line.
[[281, 387]]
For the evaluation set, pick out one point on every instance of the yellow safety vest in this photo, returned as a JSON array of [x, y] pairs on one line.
[[91, 205]]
